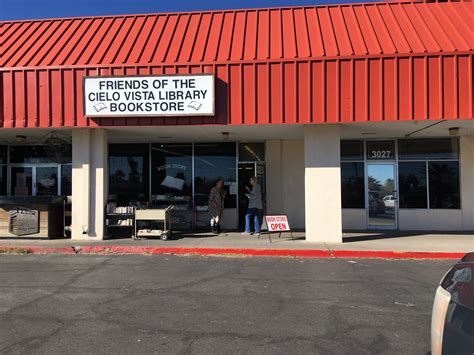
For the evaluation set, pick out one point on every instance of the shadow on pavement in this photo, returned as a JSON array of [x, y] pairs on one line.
[[360, 236]]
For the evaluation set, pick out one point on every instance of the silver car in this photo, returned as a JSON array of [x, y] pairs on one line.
[[452, 320]]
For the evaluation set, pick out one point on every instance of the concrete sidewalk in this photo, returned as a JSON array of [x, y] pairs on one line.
[[357, 242]]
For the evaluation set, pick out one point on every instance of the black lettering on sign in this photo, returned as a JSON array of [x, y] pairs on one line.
[[160, 83]]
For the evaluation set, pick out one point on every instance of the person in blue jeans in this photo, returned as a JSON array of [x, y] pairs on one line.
[[255, 207]]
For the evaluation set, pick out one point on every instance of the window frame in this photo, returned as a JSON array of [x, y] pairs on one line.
[[428, 182], [427, 157], [362, 160], [397, 160], [363, 183], [427, 189], [459, 182]]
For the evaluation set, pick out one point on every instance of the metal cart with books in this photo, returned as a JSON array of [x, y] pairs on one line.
[[157, 215]]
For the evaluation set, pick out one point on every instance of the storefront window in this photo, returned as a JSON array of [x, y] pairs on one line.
[[352, 150], [432, 148], [444, 184], [412, 181], [352, 181], [172, 169], [251, 152], [36, 154], [430, 182], [66, 180], [215, 161], [129, 172]]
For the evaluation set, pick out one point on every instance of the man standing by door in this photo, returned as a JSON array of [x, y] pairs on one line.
[[255, 206]]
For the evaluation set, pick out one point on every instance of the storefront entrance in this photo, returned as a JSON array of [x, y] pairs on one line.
[[381, 196], [246, 171], [35, 180]]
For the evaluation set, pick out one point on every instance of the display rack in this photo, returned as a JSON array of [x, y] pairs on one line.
[[119, 218]]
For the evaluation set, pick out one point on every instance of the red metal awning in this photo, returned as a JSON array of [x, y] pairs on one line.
[[337, 63]]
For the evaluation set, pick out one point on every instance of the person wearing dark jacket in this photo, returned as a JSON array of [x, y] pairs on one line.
[[216, 205]]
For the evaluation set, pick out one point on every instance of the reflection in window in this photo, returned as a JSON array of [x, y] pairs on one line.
[[251, 152], [129, 172], [66, 180], [172, 166], [412, 180], [46, 181], [444, 184], [213, 161], [352, 181]]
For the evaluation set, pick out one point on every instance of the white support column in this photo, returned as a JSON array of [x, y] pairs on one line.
[[80, 183], [273, 152], [89, 182], [467, 181], [323, 215]]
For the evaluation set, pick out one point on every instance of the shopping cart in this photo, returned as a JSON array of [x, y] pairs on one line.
[[160, 215]]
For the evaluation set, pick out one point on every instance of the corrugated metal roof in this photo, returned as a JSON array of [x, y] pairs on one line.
[[240, 35]]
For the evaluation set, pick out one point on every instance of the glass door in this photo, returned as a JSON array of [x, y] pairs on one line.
[[46, 181], [381, 197], [35, 180], [21, 181], [246, 171]]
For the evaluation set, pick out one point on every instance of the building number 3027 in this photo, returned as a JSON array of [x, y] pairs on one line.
[[381, 154]]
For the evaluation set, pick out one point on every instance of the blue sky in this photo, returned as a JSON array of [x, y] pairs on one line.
[[35, 9]]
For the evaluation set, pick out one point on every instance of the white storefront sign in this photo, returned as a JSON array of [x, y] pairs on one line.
[[163, 95], [277, 223]]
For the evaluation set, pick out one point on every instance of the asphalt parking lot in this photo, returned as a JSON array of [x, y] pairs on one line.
[[214, 305]]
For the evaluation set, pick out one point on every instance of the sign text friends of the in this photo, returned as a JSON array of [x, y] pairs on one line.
[[164, 95]]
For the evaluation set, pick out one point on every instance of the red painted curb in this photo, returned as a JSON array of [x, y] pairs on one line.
[[300, 253], [395, 254]]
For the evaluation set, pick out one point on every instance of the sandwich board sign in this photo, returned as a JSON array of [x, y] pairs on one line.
[[277, 224]]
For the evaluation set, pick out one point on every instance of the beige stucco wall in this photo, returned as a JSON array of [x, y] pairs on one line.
[[430, 219], [354, 218], [467, 182], [409, 219], [285, 179]]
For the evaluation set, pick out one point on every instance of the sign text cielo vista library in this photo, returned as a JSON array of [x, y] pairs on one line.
[[163, 95]]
